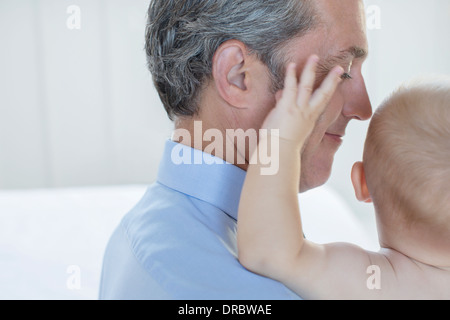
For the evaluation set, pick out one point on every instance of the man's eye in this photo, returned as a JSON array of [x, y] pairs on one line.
[[346, 76]]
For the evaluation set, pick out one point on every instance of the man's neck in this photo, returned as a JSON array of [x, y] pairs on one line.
[[215, 140]]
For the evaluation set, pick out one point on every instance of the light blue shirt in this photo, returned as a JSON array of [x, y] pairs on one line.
[[179, 241]]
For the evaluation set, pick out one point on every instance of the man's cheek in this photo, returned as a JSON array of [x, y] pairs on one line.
[[314, 141]]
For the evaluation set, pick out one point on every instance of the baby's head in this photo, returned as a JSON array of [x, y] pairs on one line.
[[406, 170]]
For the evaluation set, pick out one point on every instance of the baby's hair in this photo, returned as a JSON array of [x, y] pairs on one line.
[[407, 153]]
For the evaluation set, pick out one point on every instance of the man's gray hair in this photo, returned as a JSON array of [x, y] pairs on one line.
[[183, 35]]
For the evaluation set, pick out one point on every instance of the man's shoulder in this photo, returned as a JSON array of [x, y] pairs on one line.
[[173, 245], [159, 206], [169, 223], [171, 235], [160, 209]]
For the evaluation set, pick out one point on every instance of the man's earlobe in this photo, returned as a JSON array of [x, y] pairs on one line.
[[359, 183]]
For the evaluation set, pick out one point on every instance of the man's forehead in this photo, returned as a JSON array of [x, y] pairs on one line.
[[346, 40], [342, 9], [343, 22]]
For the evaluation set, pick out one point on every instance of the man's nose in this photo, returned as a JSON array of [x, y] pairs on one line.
[[358, 104]]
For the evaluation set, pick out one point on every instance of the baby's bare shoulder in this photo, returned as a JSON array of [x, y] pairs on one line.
[[406, 278]]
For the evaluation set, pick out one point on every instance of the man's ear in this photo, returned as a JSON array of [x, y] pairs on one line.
[[229, 72], [360, 184]]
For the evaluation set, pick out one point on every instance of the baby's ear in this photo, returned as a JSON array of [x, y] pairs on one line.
[[360, 184]]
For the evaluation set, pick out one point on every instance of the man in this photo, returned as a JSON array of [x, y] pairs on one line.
[[221, 64]]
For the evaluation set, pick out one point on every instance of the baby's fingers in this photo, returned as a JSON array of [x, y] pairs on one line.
[[323, 95], [307, 81], [290, 90]]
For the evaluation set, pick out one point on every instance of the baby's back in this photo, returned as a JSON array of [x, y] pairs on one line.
[[414, 280]]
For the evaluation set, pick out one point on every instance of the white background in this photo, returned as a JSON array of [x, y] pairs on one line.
[[78, 109]]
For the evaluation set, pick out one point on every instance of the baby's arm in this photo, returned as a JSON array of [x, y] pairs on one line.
[[270, 235]]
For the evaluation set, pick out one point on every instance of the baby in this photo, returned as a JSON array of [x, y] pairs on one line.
[[405, 172]]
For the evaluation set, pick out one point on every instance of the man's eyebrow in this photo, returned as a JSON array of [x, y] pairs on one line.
[[357, 52], [348, 54], [343, 56]]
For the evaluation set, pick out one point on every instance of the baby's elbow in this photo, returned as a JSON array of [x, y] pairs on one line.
[[248, 261], [262, 265], [252, 262], [249, 256], [261, 260]]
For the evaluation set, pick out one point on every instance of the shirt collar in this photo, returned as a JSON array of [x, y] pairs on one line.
[[202, 176]]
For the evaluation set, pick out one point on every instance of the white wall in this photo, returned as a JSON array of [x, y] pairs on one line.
[[77, 107]]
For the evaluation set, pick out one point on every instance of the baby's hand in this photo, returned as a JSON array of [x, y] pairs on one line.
[[299, 107]]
